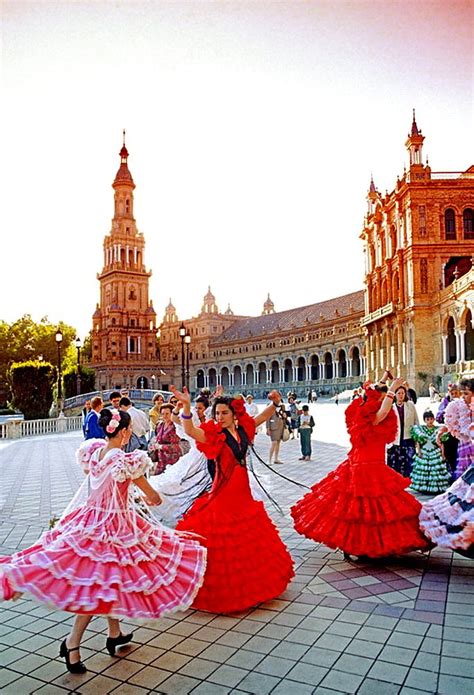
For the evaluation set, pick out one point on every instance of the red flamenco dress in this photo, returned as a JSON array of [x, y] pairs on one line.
[[362, 507], [247, 562]]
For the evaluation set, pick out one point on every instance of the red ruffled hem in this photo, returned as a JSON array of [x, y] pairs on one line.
[[247, 562], [363, 510]]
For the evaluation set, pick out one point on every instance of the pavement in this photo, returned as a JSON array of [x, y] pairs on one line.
[[399, 626]]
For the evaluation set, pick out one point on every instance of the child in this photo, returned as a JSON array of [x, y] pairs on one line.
[[305, 431], [429, 473]]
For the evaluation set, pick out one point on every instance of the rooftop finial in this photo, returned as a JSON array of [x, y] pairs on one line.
[[124, 137], [414, 127]]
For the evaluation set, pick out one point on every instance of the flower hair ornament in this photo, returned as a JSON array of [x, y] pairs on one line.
[[114, 422]]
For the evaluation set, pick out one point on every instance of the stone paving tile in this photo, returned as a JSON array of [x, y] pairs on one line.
[[409, 628]]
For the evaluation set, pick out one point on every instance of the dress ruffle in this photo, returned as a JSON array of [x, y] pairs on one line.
[[363, 510], [247, 561], [448, 519], [104, 558]]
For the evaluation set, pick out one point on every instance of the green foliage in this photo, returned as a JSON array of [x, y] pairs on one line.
[[70, 381], [32, 385], [25, 340]]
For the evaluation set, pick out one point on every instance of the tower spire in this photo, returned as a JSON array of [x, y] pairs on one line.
[[414, 144]]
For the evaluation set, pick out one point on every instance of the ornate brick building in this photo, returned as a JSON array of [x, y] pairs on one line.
[[419, 295], [315, 346], [415, 314], [124, 344]]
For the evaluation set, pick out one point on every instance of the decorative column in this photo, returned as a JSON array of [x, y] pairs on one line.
[[462, 345], [444, 346]]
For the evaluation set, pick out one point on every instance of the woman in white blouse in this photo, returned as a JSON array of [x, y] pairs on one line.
[[401, 453]]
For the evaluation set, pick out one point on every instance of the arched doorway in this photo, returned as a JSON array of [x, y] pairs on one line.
[[469, 338], [342, 363], [314, 367], [262, 373], [142, 382], [355, 361], [225, 376], [451, 343], [237, 376], [250, 375], [288, 371], [200, 379], [301, 369], [328, 366], [275, 369], [212, 378]]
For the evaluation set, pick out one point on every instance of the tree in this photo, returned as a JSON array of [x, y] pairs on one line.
[[25, 340], [32, 387], [70, 381]]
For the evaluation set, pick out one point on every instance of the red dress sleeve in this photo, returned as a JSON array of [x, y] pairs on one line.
[[215, 439]]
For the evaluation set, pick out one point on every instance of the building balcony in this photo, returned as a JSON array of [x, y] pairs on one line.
[[378, 314]]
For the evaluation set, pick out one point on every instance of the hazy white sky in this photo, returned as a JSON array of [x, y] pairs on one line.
[[253, 128]]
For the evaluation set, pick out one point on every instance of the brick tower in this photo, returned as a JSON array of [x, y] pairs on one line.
[[124, 346]]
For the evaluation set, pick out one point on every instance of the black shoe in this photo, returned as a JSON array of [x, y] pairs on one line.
[[113, 642], [78, 667]]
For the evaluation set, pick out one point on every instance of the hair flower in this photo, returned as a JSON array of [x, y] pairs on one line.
[[114, 423]]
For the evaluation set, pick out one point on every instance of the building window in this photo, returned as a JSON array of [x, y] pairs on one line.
[[449, 225], [422, 220], [468, 223], [423, 276]]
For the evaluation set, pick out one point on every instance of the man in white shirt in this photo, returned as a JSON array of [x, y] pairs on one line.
[[250, 406], [140, 425]]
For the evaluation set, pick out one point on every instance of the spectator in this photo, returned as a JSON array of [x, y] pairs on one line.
[[140, 426], [306, 430], [92, 429], [401, 453], [155, 412], [114, 399], [250, 406], [85, 412], [165, 447]]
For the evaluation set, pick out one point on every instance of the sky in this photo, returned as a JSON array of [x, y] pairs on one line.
[[253, 129]]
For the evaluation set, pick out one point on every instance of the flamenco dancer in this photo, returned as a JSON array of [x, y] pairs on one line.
[[448, 519], [362, 507], [247, 563], [102, 557]]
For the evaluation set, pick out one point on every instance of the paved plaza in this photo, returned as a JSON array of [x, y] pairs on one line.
[[400, 626]]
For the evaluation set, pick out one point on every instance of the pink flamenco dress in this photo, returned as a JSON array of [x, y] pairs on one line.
[[104, 556], [247, 562], [362, 507]]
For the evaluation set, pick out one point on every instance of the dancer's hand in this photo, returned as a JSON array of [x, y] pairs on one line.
[[182, 396], [275, 397]]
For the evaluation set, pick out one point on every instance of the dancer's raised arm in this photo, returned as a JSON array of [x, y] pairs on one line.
[[387, 402], [266, 414], [186, 416]]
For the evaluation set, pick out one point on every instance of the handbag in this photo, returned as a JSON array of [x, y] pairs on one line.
[[285, 434]]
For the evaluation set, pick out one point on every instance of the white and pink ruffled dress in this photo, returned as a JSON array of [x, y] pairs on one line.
[[104, 556]]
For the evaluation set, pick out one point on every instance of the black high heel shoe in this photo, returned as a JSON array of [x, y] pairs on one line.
[[78, 667], [113, 642]]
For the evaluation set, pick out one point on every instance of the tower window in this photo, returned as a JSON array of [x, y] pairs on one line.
[[423, 276], [422, 220], [468, 223], [127, 206], [449, 225]]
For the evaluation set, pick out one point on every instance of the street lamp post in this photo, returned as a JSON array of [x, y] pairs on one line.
[[78, 376], [182, 333], [59, 340], [187, 340]]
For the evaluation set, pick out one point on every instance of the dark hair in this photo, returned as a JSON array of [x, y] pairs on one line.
[[406, 394], [106, 416], [204, 400], [467, 384], [222, 400], [382, 388], [157, 396], [428, 413], [167, 406], [114, 394], [125, 401], [305, 408]]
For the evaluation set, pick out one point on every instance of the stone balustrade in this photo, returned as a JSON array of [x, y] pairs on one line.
[[16, 429]]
